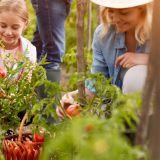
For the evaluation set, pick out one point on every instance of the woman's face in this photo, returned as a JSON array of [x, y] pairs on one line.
[[125, 19]]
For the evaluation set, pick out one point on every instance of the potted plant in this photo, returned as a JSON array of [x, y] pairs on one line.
[[18, 92]]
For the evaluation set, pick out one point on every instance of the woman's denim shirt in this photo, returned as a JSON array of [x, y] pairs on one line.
[[105, 53]]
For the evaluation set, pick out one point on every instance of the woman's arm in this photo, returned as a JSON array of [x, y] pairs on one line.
[[99, 64]]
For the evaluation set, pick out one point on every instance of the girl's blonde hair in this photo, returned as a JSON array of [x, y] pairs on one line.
[[17, 6], [143, 29]]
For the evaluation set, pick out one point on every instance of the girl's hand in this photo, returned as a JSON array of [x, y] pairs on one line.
[[131, 59]]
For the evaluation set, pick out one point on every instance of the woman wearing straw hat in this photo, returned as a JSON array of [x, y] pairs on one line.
[[121, 42], [121, 45]]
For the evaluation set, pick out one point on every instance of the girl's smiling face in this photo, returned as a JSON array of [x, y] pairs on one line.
[[125, 19], [11, 28]]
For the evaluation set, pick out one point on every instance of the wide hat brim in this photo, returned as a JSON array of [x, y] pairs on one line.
[[121, 3]]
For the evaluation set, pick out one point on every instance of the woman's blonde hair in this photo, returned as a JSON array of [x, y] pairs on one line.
[[143, 29], [17, 6]]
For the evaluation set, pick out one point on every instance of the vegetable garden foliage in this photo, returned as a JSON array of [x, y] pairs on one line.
[[106, 125], [70, 26], [32, 23], [20, 92], [104, 130]]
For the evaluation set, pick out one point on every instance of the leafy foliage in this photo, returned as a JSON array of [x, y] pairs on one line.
[[90, 138], [105, 129], [32, 23], [19, 91]]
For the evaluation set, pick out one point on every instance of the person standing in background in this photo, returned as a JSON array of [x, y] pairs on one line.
[[49, 37]]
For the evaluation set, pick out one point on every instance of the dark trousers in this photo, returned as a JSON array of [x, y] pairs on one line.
[[49, 37]]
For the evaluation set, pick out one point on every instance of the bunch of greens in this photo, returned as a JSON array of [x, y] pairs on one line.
[[19, 92]]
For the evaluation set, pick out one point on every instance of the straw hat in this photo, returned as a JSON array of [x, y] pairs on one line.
[[121, 3]]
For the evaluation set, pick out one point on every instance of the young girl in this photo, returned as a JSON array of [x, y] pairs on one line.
[[13, 21], [121, 45]]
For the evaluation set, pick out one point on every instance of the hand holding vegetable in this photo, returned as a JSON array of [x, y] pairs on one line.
[[68, 105]]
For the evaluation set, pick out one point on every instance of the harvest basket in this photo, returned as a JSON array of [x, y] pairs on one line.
[[24, 150], [21, 146]]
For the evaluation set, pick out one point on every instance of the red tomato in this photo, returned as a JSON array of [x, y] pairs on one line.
[[38, 137], [73, 110], [89, 128], [2, 73]]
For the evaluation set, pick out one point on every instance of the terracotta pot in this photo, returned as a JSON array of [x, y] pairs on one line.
[[24, 150]]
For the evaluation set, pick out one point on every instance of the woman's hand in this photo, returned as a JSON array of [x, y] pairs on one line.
[[66, 101], [131, 59]]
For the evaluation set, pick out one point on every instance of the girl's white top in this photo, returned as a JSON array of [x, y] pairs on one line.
[[25, 47]]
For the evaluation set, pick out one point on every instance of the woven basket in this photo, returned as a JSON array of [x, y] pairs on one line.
[[24, 150]]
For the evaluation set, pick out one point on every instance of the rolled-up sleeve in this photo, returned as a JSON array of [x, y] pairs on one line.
[[98, 65]]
